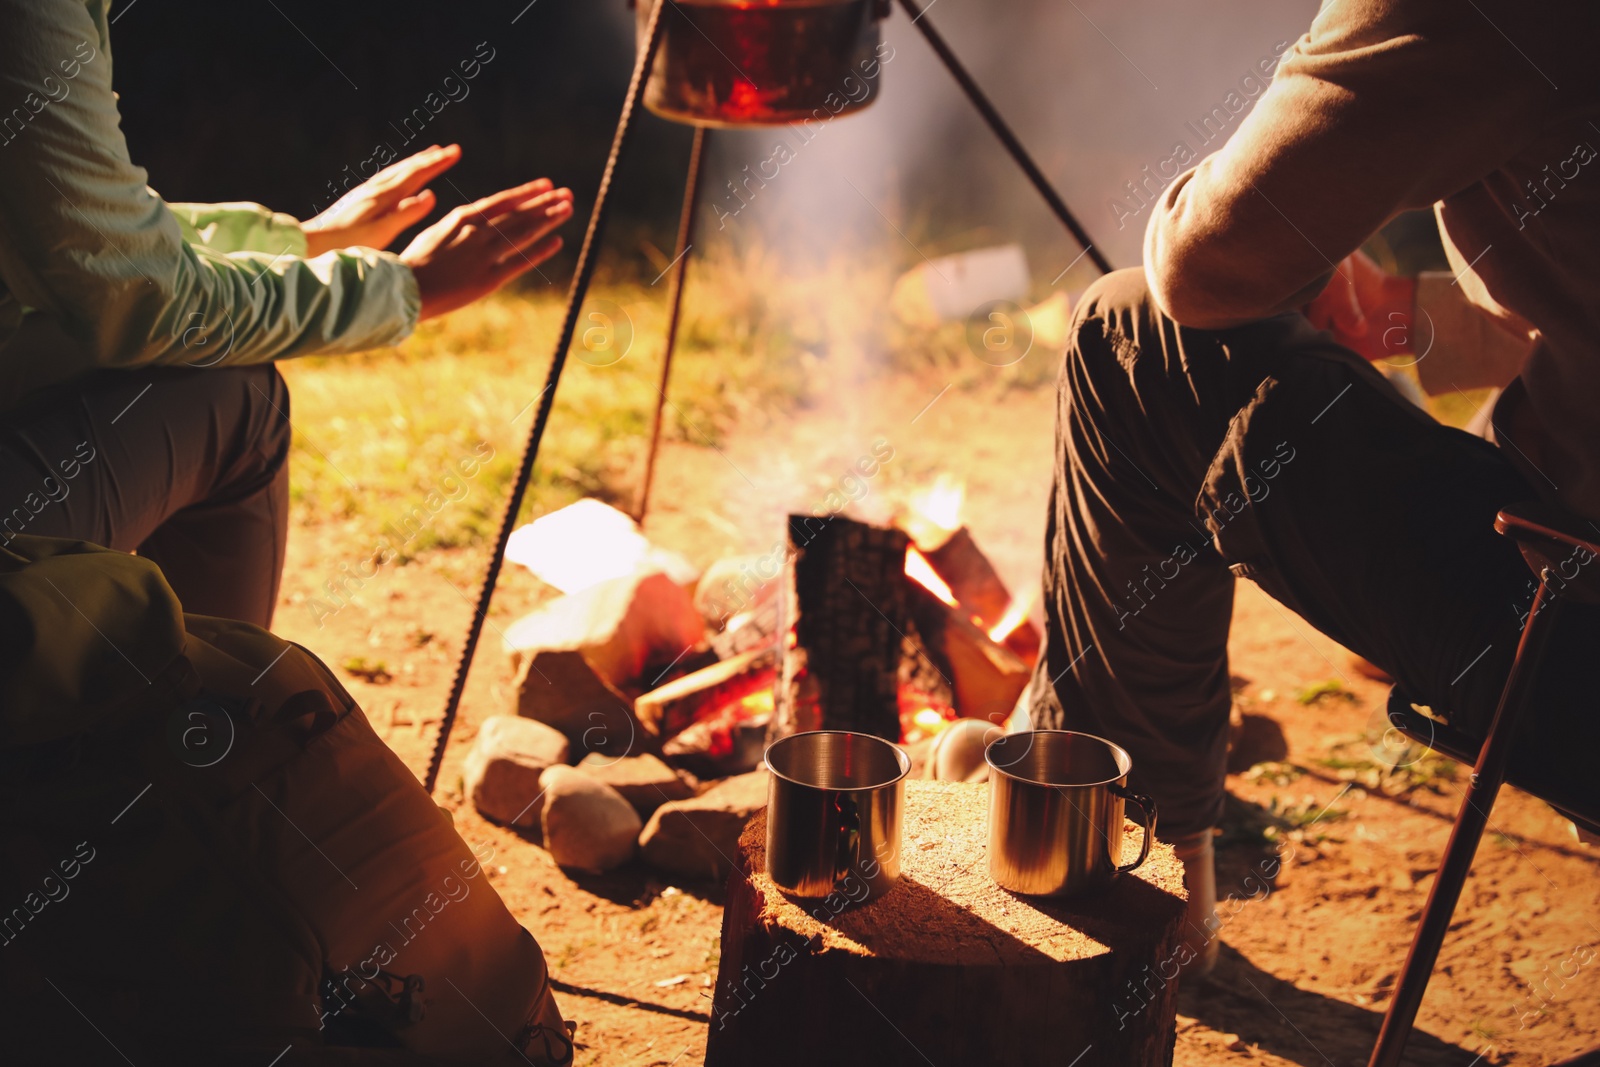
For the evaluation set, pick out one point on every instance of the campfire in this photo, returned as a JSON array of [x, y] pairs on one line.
[[893, 630]]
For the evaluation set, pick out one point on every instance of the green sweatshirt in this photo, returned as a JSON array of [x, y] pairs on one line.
[[1487, 110], [97, 272]]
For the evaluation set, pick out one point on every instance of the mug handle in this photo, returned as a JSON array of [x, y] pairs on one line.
[[1147, 812], [848, 858]]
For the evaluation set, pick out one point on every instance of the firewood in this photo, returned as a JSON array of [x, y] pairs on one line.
[[986, 678], [947, 964], [730, 741], [749, 630], [966, 569], [977, 586], [672, 708], [846, 593], [922, 681]]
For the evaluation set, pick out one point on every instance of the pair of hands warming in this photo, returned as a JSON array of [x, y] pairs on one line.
[[1367, 310], [474, 250]]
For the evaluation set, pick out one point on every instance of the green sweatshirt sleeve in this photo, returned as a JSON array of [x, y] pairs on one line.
[[240, 227], [85, 242]]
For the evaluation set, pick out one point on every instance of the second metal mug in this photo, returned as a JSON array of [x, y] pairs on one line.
[[1055, 812], [834, 806]]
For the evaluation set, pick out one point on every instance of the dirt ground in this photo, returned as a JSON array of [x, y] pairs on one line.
[[1306, 969]]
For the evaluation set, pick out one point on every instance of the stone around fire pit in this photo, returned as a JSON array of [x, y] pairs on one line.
[[501, 771], [699, 838], [577, 655], [644, 781], [622, 626], [735, 585], [588, 826]]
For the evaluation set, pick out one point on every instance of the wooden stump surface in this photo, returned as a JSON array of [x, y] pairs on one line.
[[955, 962], [945, 898]]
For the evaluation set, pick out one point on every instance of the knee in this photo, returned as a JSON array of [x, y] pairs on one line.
[[1115, 322], [1114, 319], [1118, 299]]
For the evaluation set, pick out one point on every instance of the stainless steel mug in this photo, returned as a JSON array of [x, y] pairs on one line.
[[834, 805], [1055, 812]]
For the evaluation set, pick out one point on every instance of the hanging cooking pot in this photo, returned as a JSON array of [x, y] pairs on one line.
[[763, 62]]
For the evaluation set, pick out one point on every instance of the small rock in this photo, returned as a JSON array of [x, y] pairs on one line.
[[502, 769], [699, 837], [735, 585], [587, 824], [644, 781]]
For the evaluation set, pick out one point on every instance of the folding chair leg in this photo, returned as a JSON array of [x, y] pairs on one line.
[[1487, 777]]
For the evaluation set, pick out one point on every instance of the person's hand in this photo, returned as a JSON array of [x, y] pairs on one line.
[[383, 207], [478, 247], [1367, 310]]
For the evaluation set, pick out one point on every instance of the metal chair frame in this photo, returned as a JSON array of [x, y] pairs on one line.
[[1547, 538]]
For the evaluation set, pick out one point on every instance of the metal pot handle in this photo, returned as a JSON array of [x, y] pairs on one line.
[[1147, 820]]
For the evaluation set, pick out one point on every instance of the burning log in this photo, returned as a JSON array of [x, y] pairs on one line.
[[669, 710], [923, 683], [952, 553], [976, 585], [986, 678], [847, 596], [731, 741], [977, 973], [749, 630]]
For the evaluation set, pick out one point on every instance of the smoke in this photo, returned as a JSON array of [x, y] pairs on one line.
[[1099, 90]]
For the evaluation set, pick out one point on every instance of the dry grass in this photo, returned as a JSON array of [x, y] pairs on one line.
[[376, 434]]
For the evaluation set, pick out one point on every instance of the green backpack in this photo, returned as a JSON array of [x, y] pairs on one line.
[[207, 855]]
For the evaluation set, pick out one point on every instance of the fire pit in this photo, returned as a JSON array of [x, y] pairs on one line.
[[719, 63]]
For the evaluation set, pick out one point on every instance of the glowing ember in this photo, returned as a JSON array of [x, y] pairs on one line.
[[919, 570], [758, 703], [935, 512], [926, 722], [1014, 617], [736, 724]]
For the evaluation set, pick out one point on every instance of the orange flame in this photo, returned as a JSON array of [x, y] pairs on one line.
[[934, 513], [919, 570], [1015, 615]]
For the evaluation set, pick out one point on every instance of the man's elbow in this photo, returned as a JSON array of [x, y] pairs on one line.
[[1209, 282], [1195, 299]]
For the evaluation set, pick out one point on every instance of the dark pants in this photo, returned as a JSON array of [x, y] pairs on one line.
[[1187, 457], [188, 467]]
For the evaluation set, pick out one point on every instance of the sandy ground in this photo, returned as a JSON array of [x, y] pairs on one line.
[[1306, 969]]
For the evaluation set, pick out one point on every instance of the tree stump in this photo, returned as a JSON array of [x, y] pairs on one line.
[[948, 968]]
